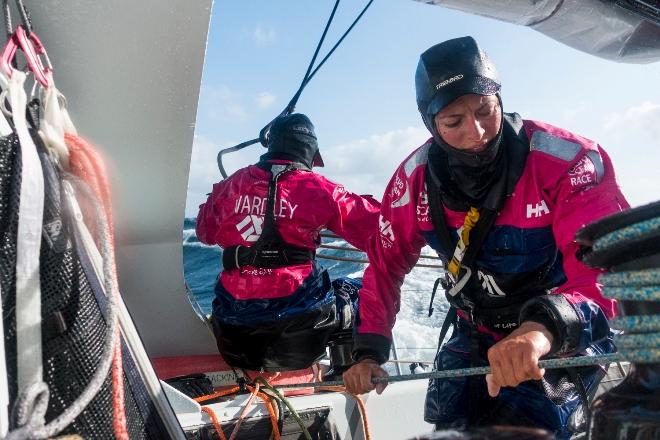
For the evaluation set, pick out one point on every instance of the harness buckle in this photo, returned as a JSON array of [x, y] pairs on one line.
[[446, 282]]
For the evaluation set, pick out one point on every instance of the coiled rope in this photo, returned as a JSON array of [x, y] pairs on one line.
[[630, 240], [641, 339]]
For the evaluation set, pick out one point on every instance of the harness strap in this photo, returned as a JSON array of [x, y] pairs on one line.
[[474, 382], [29, 358], [435, 209], [471, 219], [471, 238], [576, 378], [450, 320], [270, 251]]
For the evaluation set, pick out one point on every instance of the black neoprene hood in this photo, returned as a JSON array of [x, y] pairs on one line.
[[293, 135], [450, 70]]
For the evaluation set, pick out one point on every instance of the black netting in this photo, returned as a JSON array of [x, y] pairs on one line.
[[74, 327], [10, 183]]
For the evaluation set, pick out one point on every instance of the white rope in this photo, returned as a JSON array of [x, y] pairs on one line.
[[52, 123]]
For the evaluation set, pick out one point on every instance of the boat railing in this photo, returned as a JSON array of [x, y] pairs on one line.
[[349, 248]]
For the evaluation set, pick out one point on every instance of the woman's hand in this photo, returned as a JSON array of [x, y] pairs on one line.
[[357, 379], [515, 359]]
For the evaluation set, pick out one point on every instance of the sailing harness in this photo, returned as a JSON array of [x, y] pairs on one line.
[[471, 237], [270, 251], [463, 289]]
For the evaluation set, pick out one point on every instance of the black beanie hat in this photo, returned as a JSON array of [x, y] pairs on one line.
[[448, 71], [293, 137]]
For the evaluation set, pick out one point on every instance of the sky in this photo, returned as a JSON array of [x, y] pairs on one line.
[[362, 101]]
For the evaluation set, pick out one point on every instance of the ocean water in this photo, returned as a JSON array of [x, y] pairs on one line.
[[415, 334]]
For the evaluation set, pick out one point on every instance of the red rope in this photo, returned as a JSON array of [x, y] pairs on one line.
[[216, 423], [271, 412], [263, 396], [201, 399], [86, 163]]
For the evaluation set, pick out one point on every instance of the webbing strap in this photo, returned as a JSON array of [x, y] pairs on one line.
[[450, 319], [476, 228], [276, 172], [575, 377], [270, 250], [28, 245], [471, 219]]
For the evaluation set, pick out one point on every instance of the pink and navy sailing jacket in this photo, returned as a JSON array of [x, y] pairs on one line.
[[305, 204], [567, 182]]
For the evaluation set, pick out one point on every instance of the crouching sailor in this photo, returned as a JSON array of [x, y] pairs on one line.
[[274, 308]]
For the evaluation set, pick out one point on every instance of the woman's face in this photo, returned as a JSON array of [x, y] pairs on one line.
[[470, 122]]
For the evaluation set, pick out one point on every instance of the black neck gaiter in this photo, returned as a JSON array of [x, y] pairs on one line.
[[475, 179], [482, 180], [474, 175]]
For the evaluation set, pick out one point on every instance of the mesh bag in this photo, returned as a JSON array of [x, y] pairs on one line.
[[73, 308]]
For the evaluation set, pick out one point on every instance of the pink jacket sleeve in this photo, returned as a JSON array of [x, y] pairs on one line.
[[392, 252], [353, 217], [576, 207], [585, 190]]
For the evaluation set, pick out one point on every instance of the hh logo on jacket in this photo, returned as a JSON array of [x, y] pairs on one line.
[[537, 210]]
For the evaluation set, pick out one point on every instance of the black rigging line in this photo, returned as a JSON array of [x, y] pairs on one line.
[[309, 74], [292, 104]]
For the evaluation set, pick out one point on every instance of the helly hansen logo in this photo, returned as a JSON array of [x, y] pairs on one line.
[[386, 232], [537, 210], [250, 227]]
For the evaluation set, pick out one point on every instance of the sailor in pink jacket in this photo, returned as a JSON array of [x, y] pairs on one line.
[[500, 199], [274, 307]]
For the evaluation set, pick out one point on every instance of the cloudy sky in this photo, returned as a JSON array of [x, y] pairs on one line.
[[362, 101]]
